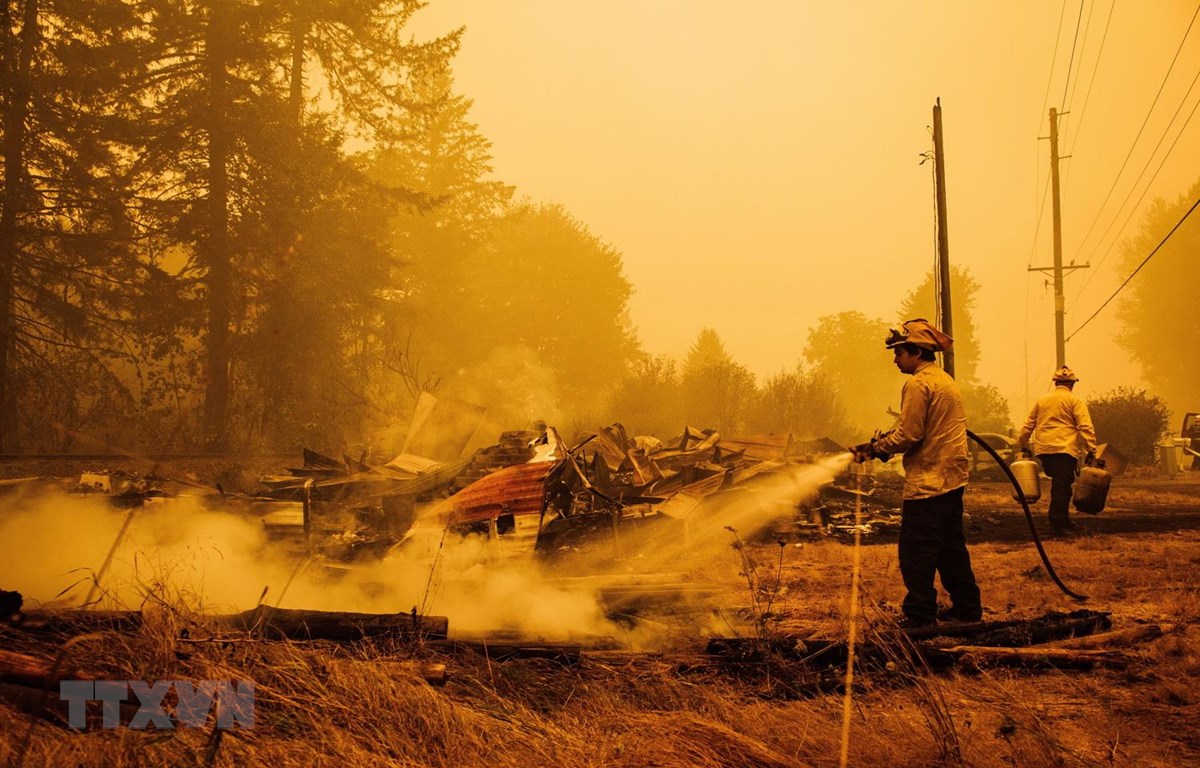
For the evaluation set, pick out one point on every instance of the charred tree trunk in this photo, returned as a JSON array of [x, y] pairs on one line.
[[296, 89], [17, 55], [219, 281], [284, 392]]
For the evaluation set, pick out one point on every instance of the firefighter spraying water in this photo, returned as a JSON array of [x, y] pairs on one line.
[[932, 435]]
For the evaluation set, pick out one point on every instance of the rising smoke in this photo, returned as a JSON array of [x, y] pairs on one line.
[[54, 545]]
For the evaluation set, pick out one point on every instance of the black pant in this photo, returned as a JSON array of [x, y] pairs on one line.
[[1061, 468], [932, 541]]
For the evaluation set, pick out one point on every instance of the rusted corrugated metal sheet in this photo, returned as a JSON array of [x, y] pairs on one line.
[[518, 489], [413, 464], [760, 447]]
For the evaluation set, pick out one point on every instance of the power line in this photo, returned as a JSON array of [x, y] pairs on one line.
[[1068, 101], [1053, 60], [1091, 82], [1149, 184], [1046, 100], [1139, 269], [1100, 210], [1087, 27], [1037, 227], [1071, 61]]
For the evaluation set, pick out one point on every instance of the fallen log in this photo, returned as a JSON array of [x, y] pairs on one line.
[[775, 678], [24, 669], [887, 643], [77, 621], [281, 623], [1012, 633], [1129, 636], [564, 653], [1047, 628], [48, 704], [1038, 657], [812, 651]]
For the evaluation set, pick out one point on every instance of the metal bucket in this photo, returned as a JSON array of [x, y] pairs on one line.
[[1091, 489], [1028, 475]]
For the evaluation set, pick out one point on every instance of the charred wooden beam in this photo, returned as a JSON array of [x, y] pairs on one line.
[[77, 621], [338, 626], [564, 653]]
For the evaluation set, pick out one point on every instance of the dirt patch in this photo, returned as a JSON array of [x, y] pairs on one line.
[[1144, 506]]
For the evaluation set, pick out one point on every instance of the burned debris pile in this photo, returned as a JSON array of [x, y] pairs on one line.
[[532, 492]]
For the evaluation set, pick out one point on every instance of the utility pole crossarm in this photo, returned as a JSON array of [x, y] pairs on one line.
[[1067, 268]]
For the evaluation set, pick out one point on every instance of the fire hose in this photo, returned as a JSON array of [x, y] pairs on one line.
[[1037, 542]]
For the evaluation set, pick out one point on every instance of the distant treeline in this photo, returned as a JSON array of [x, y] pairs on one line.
[[228, 224]]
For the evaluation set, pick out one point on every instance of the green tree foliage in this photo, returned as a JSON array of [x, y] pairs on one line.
[[311, 324], [241, 175], [987, 409], [716, 392], [444, 206], [189, 253], [1160, 324], [69, 285], [319, 314], [647, 399], [923, 302], [1130, 419], [213, 109], [847, 351], [541, 282], [800, 402], [355, 63]]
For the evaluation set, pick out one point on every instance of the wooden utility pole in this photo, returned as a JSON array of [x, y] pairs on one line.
[[1060, 344], [943, 237]]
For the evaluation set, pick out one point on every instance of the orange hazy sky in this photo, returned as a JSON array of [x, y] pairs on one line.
[[757, 164]]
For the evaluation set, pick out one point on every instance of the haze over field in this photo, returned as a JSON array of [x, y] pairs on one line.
[[255, 225], [759, 166]]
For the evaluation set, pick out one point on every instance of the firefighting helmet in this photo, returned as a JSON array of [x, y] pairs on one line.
[[919, 332], [1064, 374]]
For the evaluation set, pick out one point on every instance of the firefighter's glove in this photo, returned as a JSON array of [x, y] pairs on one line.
[[876, 453], [864, 452], [1090, 459]]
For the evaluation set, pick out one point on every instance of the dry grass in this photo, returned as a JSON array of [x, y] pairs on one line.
[[323, 704]]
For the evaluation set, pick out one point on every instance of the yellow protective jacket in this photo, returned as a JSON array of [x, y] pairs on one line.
[[1059, 423], [932, 434]]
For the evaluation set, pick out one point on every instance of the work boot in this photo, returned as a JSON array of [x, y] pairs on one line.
[[952, 614], [912, 622], [1063, 528]]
